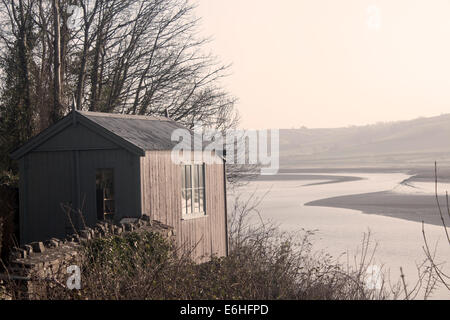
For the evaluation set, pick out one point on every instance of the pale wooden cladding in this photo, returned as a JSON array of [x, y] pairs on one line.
[[161, 199]]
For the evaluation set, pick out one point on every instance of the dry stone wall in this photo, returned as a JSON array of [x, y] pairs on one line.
[[50, 258]]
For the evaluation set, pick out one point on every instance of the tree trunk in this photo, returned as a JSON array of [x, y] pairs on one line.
[[56, 63], [82, 74], [26, 131]]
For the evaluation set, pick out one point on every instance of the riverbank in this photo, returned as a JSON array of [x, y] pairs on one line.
[[339, 230]]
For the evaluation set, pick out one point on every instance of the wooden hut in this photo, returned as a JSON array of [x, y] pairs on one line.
[[109, 167]]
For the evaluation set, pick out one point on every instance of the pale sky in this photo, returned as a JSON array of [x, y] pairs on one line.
[[332, 63]]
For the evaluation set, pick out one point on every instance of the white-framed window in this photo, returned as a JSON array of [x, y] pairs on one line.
[[193, 190]]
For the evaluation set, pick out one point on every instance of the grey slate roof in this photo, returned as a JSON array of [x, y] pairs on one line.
[[134, 133], [147, 133]]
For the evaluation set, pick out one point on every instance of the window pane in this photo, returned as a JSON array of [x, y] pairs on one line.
[[183, 178], [109, 207], [105, 194], [195, 176], [193, 190], [183, 201], [197, 200], [189, 201], [188, 177], [202, 200], [201, 177]]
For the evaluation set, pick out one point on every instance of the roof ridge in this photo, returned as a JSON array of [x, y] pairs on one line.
[[123, 116]]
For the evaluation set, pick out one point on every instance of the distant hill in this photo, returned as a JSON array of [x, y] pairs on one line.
[[411, 143]]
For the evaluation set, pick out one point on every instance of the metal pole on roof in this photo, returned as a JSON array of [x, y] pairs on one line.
[[74, 103]]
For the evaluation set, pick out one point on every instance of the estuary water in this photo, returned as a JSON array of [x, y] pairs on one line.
[[339, 232]]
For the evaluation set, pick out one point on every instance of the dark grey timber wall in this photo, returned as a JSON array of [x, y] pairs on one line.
[[62, 171], [46, 182], [126, 182]]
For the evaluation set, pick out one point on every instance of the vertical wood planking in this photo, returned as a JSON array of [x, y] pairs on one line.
[[161, 191]]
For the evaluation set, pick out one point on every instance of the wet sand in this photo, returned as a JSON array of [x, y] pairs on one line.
[[402, 205], [324, 179], [423, 173], [411, 207]]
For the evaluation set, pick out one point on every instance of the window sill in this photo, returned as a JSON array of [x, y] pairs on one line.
[[194, 216]]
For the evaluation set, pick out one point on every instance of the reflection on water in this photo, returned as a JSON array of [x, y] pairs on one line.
[[341, 230]]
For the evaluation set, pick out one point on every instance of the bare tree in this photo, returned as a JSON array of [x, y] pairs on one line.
[[133, 56], [17, 43], [140, 57], [57, 61]]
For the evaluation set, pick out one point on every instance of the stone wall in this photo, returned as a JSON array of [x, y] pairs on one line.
[[50, 259]]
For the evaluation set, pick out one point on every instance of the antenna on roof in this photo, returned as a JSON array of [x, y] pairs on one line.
[[166, 113], [74, 103]]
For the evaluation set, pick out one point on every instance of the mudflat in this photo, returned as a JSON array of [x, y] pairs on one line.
[[411, 206]]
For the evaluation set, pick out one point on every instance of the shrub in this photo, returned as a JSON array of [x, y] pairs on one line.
[[117, 267], [9, 212], [126, 255]]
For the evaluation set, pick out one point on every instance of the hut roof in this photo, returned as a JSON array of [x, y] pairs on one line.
[[135, 133]]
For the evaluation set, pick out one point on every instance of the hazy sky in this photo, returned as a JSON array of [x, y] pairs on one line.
[[329, 63]]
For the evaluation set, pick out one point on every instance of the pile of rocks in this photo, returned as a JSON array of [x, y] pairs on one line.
[[4, 294]]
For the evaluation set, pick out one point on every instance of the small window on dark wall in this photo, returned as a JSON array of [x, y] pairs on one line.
[[105, 194], [193, 190]]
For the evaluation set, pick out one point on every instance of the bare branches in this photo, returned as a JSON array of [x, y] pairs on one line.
[[133, 56], [301, 273], [437, 274], [438, 204], [444, 279], [124, 56]]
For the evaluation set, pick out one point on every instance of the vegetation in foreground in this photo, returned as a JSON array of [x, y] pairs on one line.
[[264, 263]]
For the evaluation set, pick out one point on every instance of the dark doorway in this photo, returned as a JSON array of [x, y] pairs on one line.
[[105, 194]]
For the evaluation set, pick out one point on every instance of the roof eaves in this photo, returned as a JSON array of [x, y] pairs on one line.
[[123, 116]]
